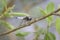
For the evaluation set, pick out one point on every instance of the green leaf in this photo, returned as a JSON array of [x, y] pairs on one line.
[[3, 3], [48, 19], [43, 12], [6, 24], [50, 7], [7, 15], [15, 14], [18, 14], [49, 36], [58, 25], [22, 34]]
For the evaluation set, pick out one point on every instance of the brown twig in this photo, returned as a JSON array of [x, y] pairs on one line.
[[56, 14], [29, 23], [9, 4]]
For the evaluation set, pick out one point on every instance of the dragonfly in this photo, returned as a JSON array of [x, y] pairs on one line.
[[24, 19]]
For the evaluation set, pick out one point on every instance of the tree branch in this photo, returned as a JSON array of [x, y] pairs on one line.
[[29, 23], [56, 14]]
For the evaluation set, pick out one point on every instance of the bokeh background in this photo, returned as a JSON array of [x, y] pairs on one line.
[[34, 12]]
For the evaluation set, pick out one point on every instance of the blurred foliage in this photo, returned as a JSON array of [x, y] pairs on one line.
[[6, 24], [13, 14], [38, 31], [22, 34], [58, 25], [2, 5], [49, 36], [50, 8]]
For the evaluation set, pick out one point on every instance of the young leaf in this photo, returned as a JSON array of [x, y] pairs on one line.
[[22, 34], [58, 25], [2, 4], [18, 14], [49, 19], [50, 7], [7, 15], [15, 14], [49, 36], [43, 12], [6, 24]]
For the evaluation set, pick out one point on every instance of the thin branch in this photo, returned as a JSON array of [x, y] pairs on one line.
[[7, 8], [56, 14], [9, 4], [29, 23]]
